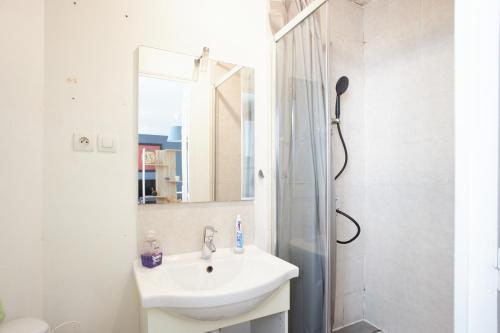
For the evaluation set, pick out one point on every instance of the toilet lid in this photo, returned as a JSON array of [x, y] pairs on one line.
[[25, 325]]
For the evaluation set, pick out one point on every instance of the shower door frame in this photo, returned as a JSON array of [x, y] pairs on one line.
[[330, 263]]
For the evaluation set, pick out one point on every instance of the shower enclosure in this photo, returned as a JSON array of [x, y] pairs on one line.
[[305, 219]]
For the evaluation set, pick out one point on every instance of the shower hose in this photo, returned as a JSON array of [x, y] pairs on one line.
[[358, 231]]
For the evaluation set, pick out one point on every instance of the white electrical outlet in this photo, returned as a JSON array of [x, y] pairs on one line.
[[82, 142]]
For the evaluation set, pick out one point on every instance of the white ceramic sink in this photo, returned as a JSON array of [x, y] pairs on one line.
[[225, 286]]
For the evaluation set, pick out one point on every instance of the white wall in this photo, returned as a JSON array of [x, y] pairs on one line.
[[91, 197], [21, 148], [477, 165], [200, 133], [409, 117]]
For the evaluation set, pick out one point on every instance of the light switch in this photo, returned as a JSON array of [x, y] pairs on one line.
[[106, 144], [82, 142]]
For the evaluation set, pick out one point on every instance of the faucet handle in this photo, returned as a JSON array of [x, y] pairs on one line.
[[208, 229]]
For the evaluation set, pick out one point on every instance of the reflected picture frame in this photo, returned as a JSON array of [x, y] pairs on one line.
[[151, 149]]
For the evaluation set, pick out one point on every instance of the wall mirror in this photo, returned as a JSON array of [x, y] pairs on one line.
[[195, 129]]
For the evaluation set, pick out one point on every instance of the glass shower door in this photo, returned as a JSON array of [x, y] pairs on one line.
[[304, 226]]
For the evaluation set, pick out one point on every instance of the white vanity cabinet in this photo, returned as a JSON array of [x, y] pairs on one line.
[[187, 294], [269, 317]]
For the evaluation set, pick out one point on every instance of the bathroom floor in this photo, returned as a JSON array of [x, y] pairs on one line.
[[359, 327]]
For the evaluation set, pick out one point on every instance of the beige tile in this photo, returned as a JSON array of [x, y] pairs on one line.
[[409, 164], [353, 307], [348, 60], [180, 226]]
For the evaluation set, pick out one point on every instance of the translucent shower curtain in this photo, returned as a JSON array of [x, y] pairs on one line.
[[303, 221]]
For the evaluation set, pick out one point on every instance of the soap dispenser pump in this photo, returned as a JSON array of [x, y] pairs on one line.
[[151, 255]]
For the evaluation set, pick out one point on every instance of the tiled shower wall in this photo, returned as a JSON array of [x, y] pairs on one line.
[[409, 165], [347, 27], [397, 119]]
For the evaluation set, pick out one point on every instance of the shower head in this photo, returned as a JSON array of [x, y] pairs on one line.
[[342, 85]]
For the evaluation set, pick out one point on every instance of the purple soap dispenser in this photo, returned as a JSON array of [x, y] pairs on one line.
[[151, 255]]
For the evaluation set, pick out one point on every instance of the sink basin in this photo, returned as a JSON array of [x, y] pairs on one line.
[[225, 286]]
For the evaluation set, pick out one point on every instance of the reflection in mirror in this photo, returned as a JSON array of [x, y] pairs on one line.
[[234, 124], [195, 129], [161, 162]]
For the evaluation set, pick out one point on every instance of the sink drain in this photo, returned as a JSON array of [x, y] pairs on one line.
[[210, 269]]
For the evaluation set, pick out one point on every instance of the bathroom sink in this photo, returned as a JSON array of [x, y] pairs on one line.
[[225, 286]]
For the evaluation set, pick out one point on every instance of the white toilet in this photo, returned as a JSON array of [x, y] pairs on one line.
[[24, 325]]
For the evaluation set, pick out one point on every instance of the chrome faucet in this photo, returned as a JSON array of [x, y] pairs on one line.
[[208, 243]]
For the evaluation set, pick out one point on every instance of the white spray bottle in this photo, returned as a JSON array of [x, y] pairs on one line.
[[239, 236]]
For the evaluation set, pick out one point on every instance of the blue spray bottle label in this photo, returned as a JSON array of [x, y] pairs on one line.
[[239, 235], [239, 240]]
